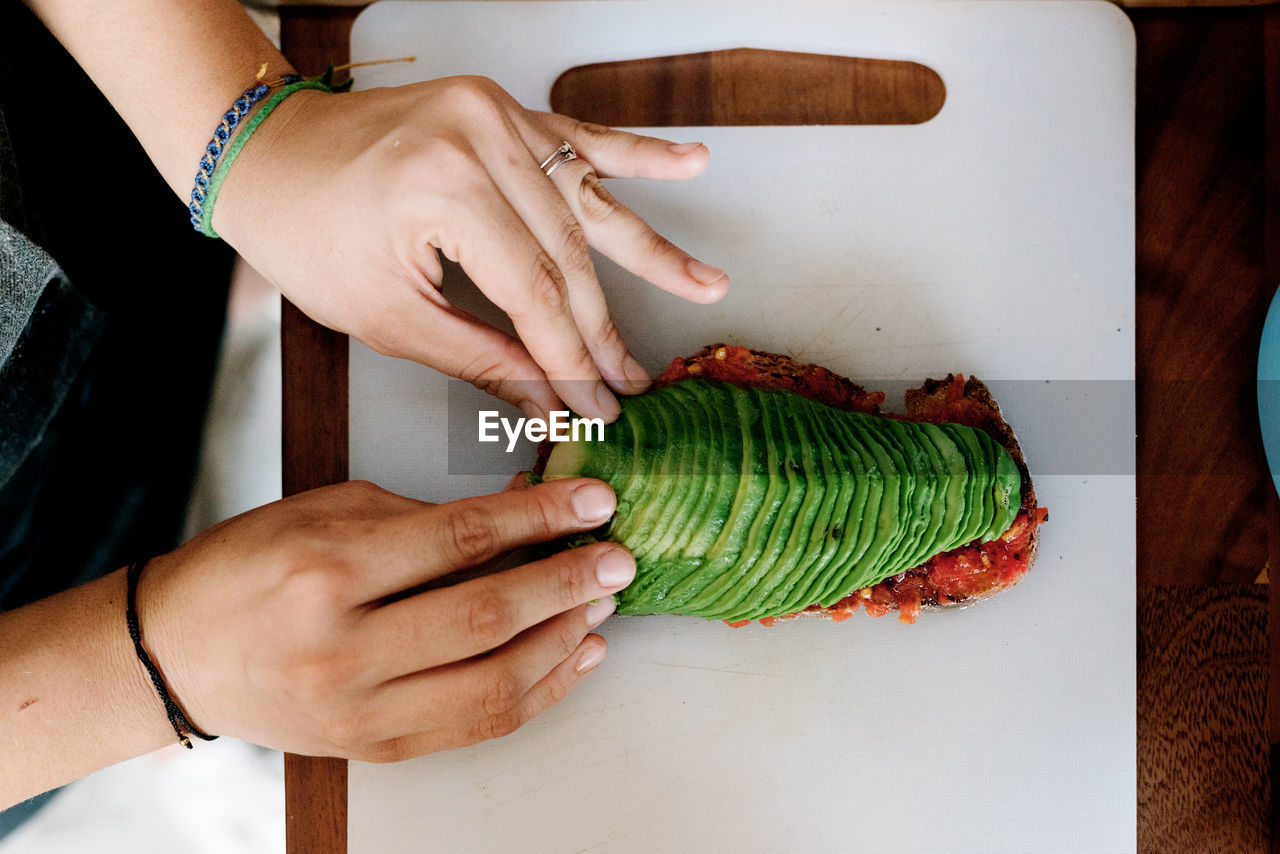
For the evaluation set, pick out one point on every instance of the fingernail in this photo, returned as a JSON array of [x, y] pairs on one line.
[[593, 502], [533, 410], [636, 374], [609, 408], [599, 611], [684, 147], [590, 659], [615, 568], [704, 273]]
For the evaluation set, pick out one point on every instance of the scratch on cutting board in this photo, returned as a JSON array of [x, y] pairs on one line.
[[556, 779], [801, 353], [866, 804], [711, 669], [552, 751], [785, 841], [598, 844]]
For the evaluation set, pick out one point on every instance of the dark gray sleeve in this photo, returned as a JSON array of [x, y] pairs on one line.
[[47, 330]]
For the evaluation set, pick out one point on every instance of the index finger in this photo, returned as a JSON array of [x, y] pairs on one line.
[[440, 539]]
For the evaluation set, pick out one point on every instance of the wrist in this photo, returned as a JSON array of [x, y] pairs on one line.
[[134, 694], [71, 689], [166, 644], [257, 189], [183, 729]]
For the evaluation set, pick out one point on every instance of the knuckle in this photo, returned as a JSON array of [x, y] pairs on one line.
[[489, 370], [386, 752], [659, 246], [571, 585], [597, 203], [609, 337], [346, 731], [569, 635], [320, 586], [364, 492], [465, 87], [545, 509], [489, 620], [362, 488], [470, 533], [547, 290], [558, 689], [574, 250], [431, 158], [597, 133], [316, 679], [476, 96], [500, 694], [483, 86], [499, 726]]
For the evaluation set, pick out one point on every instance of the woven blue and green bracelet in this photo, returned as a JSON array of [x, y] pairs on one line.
[[230, 120], [214, 166]]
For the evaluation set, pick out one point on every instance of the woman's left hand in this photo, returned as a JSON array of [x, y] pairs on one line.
[[345, 201]]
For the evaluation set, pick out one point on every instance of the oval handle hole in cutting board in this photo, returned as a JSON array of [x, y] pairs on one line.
[[747, 86]]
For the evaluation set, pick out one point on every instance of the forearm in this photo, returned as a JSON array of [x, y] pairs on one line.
[[73, 696], [171, 68]]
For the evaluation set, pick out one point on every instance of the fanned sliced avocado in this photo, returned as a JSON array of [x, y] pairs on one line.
[[859, 528], [743, 496], [954, 471], [777, 560], [741, 503], [773, 505], [812, 543], [887, 466], [846, 497], [923, 508]]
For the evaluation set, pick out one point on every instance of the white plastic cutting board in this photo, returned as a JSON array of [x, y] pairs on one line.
[[996, 239]]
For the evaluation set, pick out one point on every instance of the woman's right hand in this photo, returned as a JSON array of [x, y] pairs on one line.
[[301, 626]]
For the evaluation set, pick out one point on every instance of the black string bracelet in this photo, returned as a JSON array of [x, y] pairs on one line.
[[181, 725]]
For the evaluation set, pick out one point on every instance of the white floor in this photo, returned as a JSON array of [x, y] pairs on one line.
[[223, 797]]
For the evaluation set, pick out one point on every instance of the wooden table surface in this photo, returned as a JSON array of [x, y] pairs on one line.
[[1208, 262]]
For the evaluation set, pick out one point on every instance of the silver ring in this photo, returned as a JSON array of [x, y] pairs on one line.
[[563, 154]]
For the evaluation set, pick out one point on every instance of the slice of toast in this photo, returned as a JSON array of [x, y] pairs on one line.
[[955, 578]]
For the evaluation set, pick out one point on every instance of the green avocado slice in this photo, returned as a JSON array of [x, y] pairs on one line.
[[826, 467], [888, 528], [711, 482], [860, 526], [972, 522], [913, 518], [714, 475], [638, 526], [685, 442], [784, 550], [924, 508], [954, 480], [939, 483], [690, 447], [747, 495], [731, 584]]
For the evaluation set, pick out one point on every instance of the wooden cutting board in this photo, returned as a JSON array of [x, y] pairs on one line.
[[996, 239]]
